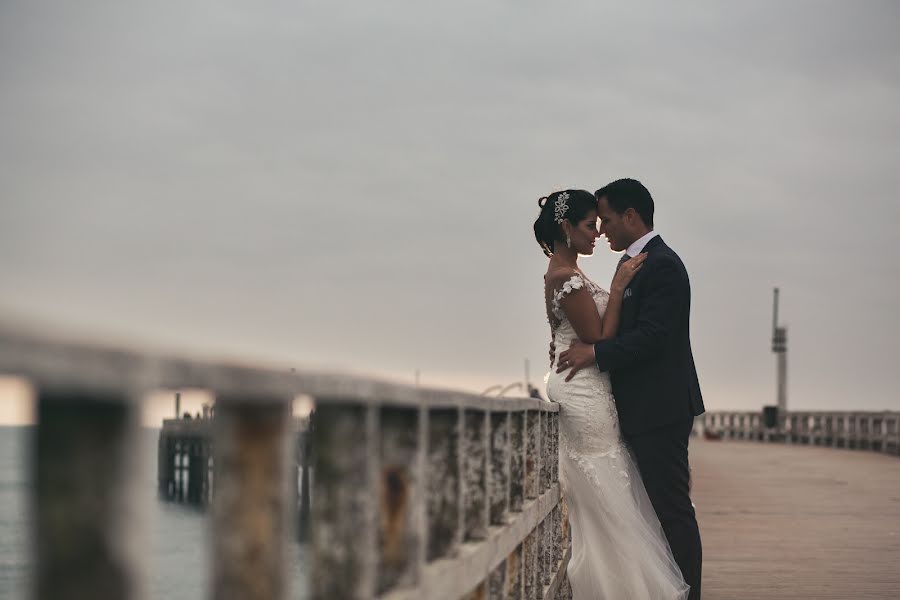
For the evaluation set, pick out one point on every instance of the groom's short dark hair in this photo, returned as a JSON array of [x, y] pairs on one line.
[[623, 194]]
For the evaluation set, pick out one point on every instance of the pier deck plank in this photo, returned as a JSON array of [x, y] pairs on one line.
[[796, 522]]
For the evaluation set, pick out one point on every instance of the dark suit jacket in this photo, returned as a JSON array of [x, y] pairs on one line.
[[650, 361]]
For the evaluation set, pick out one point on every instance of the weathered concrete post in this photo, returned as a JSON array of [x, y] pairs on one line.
[[420, 500], [443, 490], [87, 527], [532, 454], [514, 580], [250, 507], [500, 464], [558, 543], [546, 450], [540, 559], [496, 587], [549, 566], [475, 499], [554, 450], [399, 482], [343, 536], [530, 567], [517, 437]]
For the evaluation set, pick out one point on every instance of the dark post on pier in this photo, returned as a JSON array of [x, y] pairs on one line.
[[779, 347]]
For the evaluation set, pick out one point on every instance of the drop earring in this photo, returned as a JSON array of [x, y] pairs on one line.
[[568, 241]]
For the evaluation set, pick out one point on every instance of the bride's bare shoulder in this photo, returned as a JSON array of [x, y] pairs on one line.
[[557, 276]]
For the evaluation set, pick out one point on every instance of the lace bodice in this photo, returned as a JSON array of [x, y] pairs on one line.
[[563, 333], [588, 418]]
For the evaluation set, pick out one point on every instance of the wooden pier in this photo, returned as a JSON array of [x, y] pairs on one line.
[[788, 522]]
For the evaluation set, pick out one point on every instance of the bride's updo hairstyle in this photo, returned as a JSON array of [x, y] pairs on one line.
[[547, 231]]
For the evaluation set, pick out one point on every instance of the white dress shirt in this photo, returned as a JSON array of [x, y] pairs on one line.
[[638, 245]]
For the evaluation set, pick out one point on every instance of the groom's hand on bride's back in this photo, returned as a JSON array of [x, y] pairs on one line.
[[578, 356]]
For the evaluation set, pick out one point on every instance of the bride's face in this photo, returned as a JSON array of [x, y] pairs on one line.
[[585, 234]]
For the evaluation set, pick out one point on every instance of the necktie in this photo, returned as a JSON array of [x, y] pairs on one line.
[[622, 261]]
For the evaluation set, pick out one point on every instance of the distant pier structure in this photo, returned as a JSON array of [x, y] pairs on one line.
[[184, 463], [185, 470]]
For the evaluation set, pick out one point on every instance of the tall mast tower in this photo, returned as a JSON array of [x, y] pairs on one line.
[[779, 347]]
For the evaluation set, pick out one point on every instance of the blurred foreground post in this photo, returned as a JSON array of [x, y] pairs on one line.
[[86, 520], [250, 504]]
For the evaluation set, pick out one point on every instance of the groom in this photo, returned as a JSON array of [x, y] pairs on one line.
[[651, 367]]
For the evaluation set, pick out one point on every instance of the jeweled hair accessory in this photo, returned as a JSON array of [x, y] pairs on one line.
[[561, 206]]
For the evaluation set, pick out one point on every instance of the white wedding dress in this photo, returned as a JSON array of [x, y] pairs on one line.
[[619, 551]]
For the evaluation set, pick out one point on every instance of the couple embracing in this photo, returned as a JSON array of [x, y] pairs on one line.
[[623, 374]]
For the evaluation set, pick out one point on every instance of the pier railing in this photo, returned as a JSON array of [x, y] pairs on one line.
[[417, 493], [875, 431]]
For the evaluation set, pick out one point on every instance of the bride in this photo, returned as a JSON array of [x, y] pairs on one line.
[[619, 550]]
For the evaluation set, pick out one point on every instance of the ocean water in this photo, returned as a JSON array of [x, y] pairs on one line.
[[177, 534]]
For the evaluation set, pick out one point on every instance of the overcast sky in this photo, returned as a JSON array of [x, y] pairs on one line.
[[353, 186]]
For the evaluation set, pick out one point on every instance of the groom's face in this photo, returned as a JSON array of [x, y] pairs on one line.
[[613, 227]]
